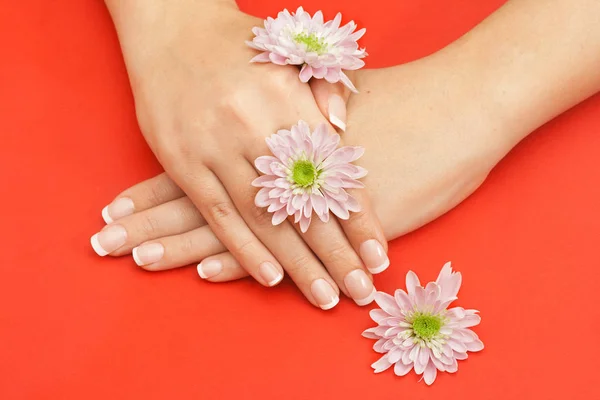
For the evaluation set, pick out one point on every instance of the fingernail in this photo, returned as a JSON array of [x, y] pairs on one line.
[[360, 287], [148, 253], [324, 294], [270, 274], [117, 209], [209, 268], [374, 256], [109, 240], [337, 111]]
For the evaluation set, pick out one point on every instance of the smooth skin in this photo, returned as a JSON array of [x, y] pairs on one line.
[[434, 128], [205, 112]]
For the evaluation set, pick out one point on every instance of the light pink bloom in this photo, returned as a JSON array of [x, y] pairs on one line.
[[308, 173], [323, 49], [417, 331]]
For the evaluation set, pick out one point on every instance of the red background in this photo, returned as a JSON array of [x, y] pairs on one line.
[[75, 326]]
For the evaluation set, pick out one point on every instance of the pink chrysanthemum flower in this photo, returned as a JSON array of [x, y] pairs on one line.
[[416, 330], [308, 173], [323, 49]]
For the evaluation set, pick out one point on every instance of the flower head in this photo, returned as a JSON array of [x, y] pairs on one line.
[[417, 331], [323, 49], [308, 173]]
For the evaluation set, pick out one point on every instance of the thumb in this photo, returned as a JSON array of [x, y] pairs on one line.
[[331, 99]]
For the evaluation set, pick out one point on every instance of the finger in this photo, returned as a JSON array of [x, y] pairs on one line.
[[147, 194], [329, 242], [175, 217], [331, 99], [208, 194], [364, 232], [283, 241], [221, 268], [178, 250]]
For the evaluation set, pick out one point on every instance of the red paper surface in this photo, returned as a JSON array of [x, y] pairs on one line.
[[77, 326]]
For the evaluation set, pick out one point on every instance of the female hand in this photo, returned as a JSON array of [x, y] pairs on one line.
[[205, 113]]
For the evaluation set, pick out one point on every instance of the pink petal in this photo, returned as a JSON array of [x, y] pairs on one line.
[[402, 300], [279, 217], [320, 72], [381, 365], [370, 334], [278, 59], [401, 369], [305, 73], [394, 355], [275, 206], [267, 181], [263, 164], [412, 282], [319, 204], [429, 374], [304, 223], [449, 282], [388, 304], [457, 346], [347, 82], [378, 315], [340, 211], [475, 346], [332, 75], [262, 57], [262, 198]]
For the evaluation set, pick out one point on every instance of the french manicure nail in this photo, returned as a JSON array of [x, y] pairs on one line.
[[109, 240], [209, 268], [337, 111], [324, 294], [270, 273], [374, 256], [117, 209], [148, 253], [360, 287]]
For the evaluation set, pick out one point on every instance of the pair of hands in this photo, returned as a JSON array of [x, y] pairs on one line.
[[205, 113]]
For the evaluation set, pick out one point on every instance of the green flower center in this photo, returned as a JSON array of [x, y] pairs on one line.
[[312, 42], [304, 173], [426, 326]]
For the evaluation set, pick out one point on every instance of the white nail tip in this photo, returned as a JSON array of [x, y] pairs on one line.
[[275, 281], [136, 258], [381, 268], [329, 306], [367, 300], [105, 216], [337, 122], [96, 246], [200, 272]]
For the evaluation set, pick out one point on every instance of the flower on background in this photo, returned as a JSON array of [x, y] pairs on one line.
[[308, 173], [323, 49], [417, 331]]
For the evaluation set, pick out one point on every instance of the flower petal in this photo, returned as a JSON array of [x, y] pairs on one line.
[[430, 373], [305, 73], [401, 369], [388, 304], [412, 282], [381, 365], [378, 315]]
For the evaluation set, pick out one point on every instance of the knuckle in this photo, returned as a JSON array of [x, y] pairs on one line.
[[299, 264], [149, 226], [261, 216], [245, 247], [187, 213], [339, 254], [187, 245]]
